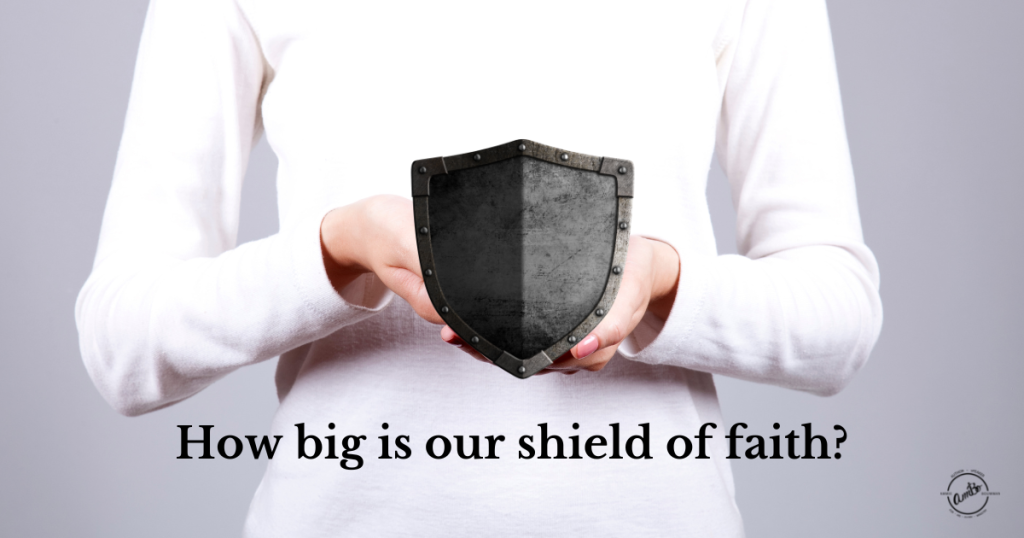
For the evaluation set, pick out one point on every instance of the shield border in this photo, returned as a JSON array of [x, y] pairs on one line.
[[422, 170]]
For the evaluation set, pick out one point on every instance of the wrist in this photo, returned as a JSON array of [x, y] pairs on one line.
[[339, 243], [664, 278]]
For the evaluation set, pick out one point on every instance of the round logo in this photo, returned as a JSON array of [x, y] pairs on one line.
[[968, 493]]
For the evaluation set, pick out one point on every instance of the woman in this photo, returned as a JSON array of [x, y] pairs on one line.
[[349, 95]]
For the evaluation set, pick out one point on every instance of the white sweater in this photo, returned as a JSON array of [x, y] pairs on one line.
[[349, 93]]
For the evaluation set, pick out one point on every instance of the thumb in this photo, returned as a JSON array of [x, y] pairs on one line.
[[625, 313]]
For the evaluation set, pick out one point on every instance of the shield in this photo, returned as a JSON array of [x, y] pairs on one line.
[[522, 246]]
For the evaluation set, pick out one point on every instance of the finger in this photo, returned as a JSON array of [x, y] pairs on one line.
[[409, 286], [629, 306], [449, 336], [624, 315], [598, 347], [550, 371], [391, 247], [593, 362]]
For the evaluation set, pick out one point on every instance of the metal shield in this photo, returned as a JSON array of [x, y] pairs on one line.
[[522, 246]]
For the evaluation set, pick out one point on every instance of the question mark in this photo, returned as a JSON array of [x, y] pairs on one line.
[[839, 440]]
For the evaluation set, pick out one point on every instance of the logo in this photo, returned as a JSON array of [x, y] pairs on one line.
[[968, 494]]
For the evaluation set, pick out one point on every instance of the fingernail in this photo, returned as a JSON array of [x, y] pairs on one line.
[[586, 347]]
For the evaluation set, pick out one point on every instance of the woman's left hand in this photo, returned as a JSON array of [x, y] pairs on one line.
[[649, 282]]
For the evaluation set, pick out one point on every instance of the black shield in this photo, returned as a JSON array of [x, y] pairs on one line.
[[522, 246]]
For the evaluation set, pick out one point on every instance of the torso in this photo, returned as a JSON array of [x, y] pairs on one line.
[[359, 90]]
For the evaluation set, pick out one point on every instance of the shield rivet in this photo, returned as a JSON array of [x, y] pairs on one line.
[[444, 309], [424, 230], [423, 169], [600, 312], [475, 340], [522, 369], [477, 157], [564, 156], [429, 272], [522, 147], [622, 169], [616, 269], [572, 339], [623, 225]]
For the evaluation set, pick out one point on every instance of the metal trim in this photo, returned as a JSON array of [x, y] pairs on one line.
[[422, 170]]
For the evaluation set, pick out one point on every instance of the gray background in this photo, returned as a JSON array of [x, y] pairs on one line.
[[932, 92]]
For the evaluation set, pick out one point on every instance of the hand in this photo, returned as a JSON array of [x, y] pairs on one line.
[[649, 282], [376, 235]]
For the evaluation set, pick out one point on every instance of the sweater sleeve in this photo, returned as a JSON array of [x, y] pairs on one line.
[[170, 305], [799, 307]]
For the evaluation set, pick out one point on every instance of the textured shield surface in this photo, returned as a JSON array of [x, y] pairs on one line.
[[521, 246]]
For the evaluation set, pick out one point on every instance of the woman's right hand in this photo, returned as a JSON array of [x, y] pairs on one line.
[[376, 235]]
